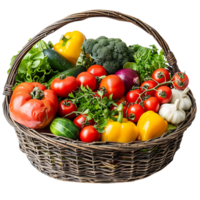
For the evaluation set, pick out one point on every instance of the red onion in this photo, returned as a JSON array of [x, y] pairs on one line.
[[130, 78]]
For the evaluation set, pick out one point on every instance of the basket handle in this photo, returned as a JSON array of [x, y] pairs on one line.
[[49, 29]]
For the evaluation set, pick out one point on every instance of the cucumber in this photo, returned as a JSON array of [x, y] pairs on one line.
[[65, 128], [70, 72], [56, 61]]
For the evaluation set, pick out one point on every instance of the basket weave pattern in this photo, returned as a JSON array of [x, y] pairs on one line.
[[96, 162]]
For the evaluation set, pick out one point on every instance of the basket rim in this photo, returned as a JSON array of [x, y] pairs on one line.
[[61, 141]]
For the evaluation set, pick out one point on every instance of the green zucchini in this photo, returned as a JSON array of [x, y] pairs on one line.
[[65, 128], [70, 72], [56, 61]]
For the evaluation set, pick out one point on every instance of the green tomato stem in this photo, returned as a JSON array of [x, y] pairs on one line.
[[36, 93], [76, 112], [164, 83], [66, 103], [62, 76]]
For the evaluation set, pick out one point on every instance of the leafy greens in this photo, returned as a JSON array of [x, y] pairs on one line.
[[147, 60], [34, 67], [95, 106]]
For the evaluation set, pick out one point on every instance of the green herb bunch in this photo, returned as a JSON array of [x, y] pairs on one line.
[[95, 105], [147, 60]]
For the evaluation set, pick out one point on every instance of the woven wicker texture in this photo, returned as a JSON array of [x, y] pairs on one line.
[[97, 162]]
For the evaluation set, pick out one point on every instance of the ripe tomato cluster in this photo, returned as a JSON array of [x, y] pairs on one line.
[[149, 96], [153, 93]]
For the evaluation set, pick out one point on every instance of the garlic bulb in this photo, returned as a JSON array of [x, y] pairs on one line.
[[185, 103], [172, 113]]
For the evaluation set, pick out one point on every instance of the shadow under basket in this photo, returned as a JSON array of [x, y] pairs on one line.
[[98, 162]]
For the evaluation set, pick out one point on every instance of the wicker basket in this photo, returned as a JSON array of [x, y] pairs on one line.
[[97, 162]]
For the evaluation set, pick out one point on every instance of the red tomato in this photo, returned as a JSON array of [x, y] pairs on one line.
[[89, 134], [97, 70], [152, 103], [148, 85], [62, 87], [32, 105], [87, 79], [161, 75], [114, 85], [163, 94], [124, 108], [80, 121], [66, 107], [181, 81], [133, 95], [134, 112]]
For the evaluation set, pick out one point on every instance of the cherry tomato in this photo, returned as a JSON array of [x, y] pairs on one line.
[[181, 80], [66, 107], [148, 85], [87, 79], [62, 87], [114, 85], [97, 70], [134, 112], [161, 75], [80, 121], [89, 134], [133, 95], [163, 94], [124, 108], [152, 103]]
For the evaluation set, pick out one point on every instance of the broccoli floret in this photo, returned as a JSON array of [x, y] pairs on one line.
[[111, 53], [103, 42], [101, 37], [89, 46]]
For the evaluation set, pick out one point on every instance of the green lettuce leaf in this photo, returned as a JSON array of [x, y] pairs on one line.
[[11, 63], [39, 46], [34, 67]]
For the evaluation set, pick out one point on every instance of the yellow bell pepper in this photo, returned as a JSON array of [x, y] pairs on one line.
[[151, 125], [121, 130], [69, 46]]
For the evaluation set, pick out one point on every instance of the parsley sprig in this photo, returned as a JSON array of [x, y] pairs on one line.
[[95, 105]]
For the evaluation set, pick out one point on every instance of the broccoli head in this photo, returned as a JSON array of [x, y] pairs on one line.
[[111, 53]]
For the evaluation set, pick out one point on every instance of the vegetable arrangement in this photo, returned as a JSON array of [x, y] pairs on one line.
[[98, 89]]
